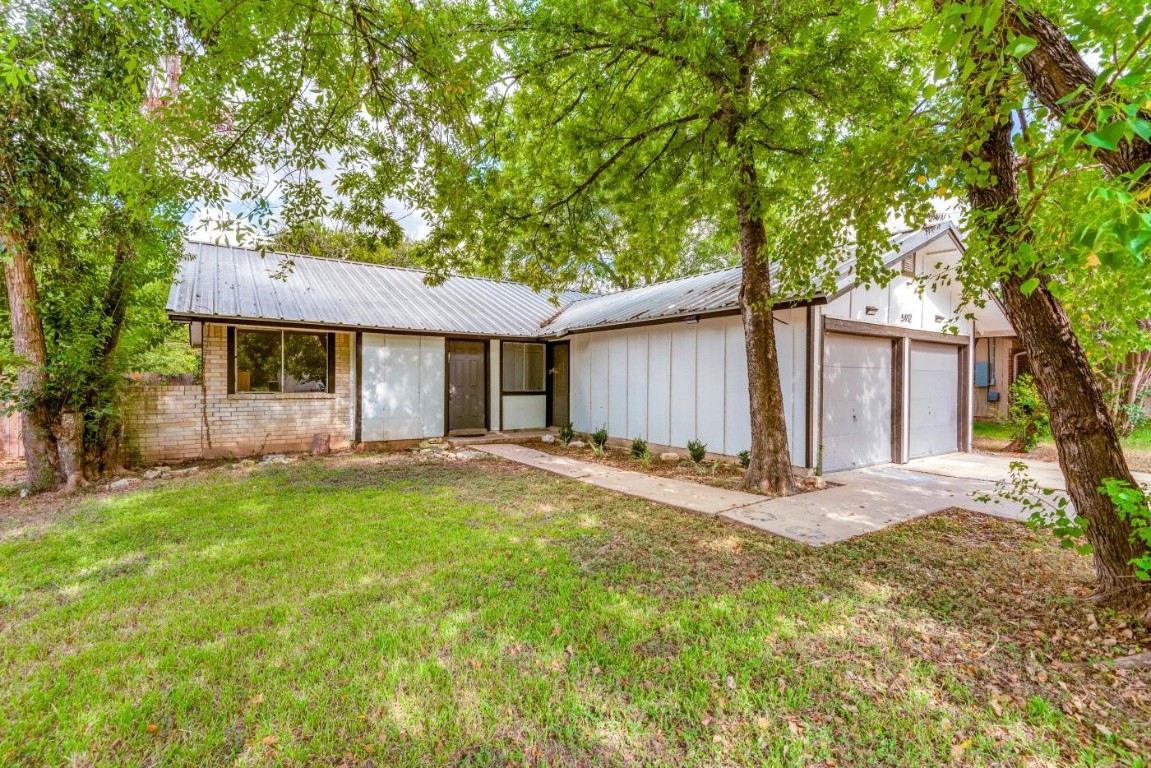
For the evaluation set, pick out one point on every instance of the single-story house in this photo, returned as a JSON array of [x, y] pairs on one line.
[[372, 355]]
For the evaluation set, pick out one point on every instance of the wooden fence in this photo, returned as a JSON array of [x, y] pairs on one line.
[[11, 446]]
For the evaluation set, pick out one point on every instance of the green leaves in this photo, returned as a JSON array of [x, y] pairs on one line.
[[1107, 137], [1021, 46]]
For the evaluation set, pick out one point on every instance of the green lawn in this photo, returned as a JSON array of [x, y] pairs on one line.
[[1139, 440], [378, 611]]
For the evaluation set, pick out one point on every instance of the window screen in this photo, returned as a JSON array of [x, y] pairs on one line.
[[524, 367]]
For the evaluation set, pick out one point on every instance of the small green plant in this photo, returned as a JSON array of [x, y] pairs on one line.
[[567, 434], [1045, 507], [1132, 505], [645, 460], [696, 450], [1028, 414], [638, 448], [597, 449], [745, 459], [599, 437]]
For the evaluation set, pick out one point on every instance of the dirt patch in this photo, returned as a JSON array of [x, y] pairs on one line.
[[718, 474], [1138, 461]]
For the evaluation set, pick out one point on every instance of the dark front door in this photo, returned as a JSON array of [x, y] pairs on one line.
[[559, 374], [467, 386]]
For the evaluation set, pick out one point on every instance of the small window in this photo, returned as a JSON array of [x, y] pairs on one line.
[[908, 267], [523, 367], [282, 361]]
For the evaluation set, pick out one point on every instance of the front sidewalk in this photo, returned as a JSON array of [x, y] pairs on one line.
[[865, 501]]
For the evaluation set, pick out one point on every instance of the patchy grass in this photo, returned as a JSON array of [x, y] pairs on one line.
[[993, 437], [384, 611]]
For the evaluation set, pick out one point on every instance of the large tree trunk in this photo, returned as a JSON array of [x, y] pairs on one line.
[[1088, 445], [1063, 82], [28, 342], [770, 468]]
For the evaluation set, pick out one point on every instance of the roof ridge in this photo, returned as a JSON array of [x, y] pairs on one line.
[[330, 259]]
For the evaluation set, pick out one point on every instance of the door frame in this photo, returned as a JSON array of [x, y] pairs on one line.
[[448, 341], [549, 363]]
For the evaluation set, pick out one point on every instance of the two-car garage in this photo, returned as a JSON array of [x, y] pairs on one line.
[[889, 398]]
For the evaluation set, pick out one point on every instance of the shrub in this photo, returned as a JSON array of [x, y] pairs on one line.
[[1028, 414], [745, 459], [599, 437], [638, 448], [567, 434], [597, 449], [696, 450]]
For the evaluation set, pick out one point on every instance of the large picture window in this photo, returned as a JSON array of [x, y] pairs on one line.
[[524, 367], [282, 361]]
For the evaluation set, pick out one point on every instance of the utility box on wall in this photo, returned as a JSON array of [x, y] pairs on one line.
[[983, 375]]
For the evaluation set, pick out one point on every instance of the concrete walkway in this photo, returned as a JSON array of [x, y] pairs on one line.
[[866, 500], [981, 466]]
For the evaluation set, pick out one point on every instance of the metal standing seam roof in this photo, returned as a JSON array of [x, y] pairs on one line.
[[708, 293], [225, 282], [229, 283]]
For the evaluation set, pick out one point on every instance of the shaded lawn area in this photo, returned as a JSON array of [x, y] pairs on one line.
[[993, 437], [380, 611]]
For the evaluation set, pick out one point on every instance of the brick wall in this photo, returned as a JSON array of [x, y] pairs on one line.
[[173, 423]]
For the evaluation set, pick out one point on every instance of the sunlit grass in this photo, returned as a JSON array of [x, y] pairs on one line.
[[383, 612]]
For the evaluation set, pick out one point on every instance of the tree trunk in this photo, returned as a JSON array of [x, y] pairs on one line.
[[1063, 82], [69, 434], [28, 342], [770, 468], [1087, 443]]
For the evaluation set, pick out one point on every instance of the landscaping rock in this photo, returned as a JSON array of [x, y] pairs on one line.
[[245, 464], [468, 454], [321, 444], [122, 484], [548, 439], [275, 458], [435, 444], [670, 456], [155, 473], [184, 472], [577, 444]]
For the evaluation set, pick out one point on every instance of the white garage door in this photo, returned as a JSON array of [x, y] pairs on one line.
[[856, 401], [934, 418]]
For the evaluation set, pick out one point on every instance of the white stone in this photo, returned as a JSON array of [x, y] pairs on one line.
[[669, 456], [548, 439], [153, 474], [274, 458], [121, 484], [184, 472], [577, 444]]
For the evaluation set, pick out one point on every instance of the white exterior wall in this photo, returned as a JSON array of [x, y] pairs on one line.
[[525, 411], [403, 387], [495, 412], [675, 382], [900, 304]]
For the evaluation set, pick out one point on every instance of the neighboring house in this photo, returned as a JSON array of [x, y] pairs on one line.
[[372, 355], [999, 359]]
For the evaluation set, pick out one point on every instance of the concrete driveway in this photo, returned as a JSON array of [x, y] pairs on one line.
[[869, 500], [861, 501], [981, 466]]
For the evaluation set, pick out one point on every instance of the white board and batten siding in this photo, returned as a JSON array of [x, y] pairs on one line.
[[676, 382], [402, 392]]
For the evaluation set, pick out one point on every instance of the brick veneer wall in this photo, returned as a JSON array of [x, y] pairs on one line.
[[173, 423]]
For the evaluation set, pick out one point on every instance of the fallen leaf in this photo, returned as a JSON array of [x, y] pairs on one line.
[[257, 699], [268, 741], [152, 728], [998, 710], [762, 723], [958, 750], [1103, 730]]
